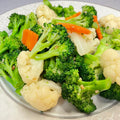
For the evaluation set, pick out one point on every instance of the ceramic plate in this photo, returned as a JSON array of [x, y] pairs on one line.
[[63, 108]]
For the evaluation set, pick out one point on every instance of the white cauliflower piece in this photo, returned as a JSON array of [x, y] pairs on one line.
[[42, 20], [45, 15], [110, 62], [44, 10], [110, 22], [109, 57], [29, 69], [86, 43], [110, 25], [42, 95], [105, 19]]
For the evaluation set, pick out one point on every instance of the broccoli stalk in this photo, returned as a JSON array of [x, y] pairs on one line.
[[55, 39], [58, 49], [10, 47], [3, 35], [9, 70], [79, 92]]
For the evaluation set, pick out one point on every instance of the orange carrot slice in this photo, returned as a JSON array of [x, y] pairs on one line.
[[75, 15], [98, 31], [29, 39], [75, 28]]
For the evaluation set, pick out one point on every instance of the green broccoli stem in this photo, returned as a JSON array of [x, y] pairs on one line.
[[55, 21], [5, 75], [52, 52], [12, 74], [100, 85], [101, 48], [42, 44], [46, 2], [46, 55], [2, 50], [94, 60], [15, 30], [30, 21]]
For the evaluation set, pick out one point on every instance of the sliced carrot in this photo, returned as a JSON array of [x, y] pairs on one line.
[[75, 15], [75, 28], [98, 31], [29, 39]]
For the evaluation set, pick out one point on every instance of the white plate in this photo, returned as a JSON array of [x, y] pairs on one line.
[[63, 109]]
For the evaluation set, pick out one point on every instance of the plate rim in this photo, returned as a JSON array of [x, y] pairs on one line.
[[40, 112]]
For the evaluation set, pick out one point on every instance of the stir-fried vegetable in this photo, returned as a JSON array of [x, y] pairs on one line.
[[68, 50]]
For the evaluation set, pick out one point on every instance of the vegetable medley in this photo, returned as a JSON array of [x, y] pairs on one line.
[[59, 52]]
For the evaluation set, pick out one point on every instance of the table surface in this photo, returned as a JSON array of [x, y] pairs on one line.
[[9, 110]]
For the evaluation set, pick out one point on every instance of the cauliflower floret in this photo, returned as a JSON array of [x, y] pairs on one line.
[[42, 95], [44, 10], [110, 25], [90, 36], [28, 68], [110, 22], [42, 20], [45, 15], [105, 19], [107, 60], [110, 62], [85, 43]]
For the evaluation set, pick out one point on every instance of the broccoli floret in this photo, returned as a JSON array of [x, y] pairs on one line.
[[90, 69], [112, 93], [85, 19], [30, 21], [3, 36], [19, 22], [89, 9], [79, 92], [69, 11], [56, 70], [62, 50], [37, 29], [48, 40], [10, 47], [16, 21], [113, 39], [9, 44], [75, 95], [72, 76], [9, 70], [53, 72], [60, 10]]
